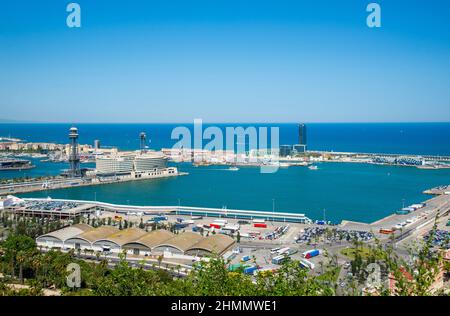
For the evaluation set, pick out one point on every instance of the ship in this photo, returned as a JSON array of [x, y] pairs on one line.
[[313, 167], [15, 164]]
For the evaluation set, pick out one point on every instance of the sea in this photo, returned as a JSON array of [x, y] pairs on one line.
[[334, 192]]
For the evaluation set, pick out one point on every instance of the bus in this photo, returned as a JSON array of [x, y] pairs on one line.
[[279, 259]]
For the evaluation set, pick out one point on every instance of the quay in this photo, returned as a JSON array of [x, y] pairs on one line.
[[384, 155], [436, 206], [64, 183]]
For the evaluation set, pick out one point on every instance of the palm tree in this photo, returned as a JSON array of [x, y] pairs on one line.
[[160, 259], [21, 258]]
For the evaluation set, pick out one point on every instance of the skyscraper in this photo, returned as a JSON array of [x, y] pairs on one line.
[[143, 140], [302, 134]]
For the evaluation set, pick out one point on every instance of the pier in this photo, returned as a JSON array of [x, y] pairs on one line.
[[384, 155], [64, 183]]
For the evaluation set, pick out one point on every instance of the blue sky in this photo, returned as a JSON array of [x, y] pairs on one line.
[[225, 61]]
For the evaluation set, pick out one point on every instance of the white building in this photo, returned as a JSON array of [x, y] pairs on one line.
[[114, 164], [149, 161], [131, 162]]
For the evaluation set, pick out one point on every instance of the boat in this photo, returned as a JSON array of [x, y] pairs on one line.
[[233, 168], [312, 167], [15, 164]]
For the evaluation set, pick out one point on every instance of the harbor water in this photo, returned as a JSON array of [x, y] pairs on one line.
[[349, 191]]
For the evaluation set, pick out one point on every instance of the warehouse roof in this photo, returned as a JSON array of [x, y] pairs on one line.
[[68, 232], [182, 241], [217, 243], [123, 236], [98, 233], [152, 239]]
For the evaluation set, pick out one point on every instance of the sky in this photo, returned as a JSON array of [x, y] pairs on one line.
[[225, 61]]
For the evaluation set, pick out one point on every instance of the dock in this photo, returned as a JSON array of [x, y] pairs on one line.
[[65, 183]]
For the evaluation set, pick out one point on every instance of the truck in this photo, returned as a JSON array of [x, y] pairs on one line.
[[220, 221], [291, 252], [250, 270], [245, 258], [257, 220], [307, 264], [159, 218], [311, 253], [274, 250], [180, 225], [236, 266], [282, 250], [260, 225]]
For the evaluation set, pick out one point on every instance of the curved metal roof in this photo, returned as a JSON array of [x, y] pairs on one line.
[[152, 239], [182, 241], [124, 236], [101, 232], [217, 243], [68, 232]]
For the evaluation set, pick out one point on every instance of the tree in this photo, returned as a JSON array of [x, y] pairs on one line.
[[16, 248]]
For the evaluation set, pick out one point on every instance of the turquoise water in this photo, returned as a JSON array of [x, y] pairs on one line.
[[349, 191]]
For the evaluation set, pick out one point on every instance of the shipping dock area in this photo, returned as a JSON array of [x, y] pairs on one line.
[[255, 241]]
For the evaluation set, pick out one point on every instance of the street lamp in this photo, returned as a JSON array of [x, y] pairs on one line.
[[273, 210]]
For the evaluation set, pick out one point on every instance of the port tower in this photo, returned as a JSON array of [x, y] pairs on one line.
[[74, 158], [143, 138]]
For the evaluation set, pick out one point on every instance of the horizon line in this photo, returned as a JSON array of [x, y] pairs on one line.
[[230, 122]]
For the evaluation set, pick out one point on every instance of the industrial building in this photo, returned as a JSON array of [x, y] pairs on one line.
[[179, 244], [145, 244], [86, 239], [115, 241], [57, 238], [109, 239], [217, 243]]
